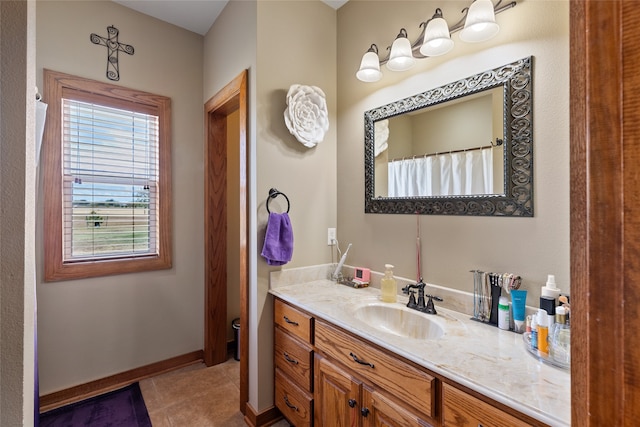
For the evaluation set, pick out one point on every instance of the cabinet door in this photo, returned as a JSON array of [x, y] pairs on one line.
[[379, 411], [337, 396]]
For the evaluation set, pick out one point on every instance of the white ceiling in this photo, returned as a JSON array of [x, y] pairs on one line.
[[193, 15]]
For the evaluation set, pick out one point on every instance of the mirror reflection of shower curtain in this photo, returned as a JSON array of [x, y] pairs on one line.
[[447, 174]]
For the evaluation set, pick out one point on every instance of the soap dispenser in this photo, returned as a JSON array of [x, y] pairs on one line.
[[388, 288]]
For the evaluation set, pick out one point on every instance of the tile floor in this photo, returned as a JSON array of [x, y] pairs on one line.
[[196, 396]]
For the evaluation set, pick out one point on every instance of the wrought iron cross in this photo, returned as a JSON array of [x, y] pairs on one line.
[[113, 47]]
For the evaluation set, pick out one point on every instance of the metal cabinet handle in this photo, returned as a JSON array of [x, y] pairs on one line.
[[352, 403], [364, 412], [291, 322], [362, 362], [294, 407], [289, 359]]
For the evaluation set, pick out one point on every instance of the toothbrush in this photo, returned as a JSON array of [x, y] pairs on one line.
[[341, 263]]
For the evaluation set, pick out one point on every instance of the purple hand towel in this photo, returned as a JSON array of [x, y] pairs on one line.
[[278, 240]]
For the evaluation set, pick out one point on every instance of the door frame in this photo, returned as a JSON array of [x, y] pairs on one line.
[[605, 224], [231, 98]]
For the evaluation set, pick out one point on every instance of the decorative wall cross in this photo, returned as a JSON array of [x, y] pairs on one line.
[[113, 47]]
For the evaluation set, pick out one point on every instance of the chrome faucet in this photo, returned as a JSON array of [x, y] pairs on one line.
[[420, 305]]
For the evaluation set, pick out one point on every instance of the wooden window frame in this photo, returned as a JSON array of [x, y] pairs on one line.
[[55, 268]]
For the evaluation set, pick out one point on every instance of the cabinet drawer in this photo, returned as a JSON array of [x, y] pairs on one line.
[[294, 358], [410, 385], [294, 321], [462, 409], [294, 403]]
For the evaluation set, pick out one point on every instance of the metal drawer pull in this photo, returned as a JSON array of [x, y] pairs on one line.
[[352, 403], [294, 407], [362, 362], [291, 322], [289, 359], [364, 412]]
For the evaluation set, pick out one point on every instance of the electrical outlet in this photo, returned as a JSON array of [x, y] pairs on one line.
[[331, 236]]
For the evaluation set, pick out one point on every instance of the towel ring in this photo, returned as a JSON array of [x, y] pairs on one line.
[[273, 193]]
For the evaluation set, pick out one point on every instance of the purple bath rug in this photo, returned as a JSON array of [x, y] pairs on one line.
[[119, 408]]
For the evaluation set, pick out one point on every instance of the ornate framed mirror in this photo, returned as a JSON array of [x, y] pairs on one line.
[[465, 148]]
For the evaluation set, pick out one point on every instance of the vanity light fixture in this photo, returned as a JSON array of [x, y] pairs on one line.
[[478, 24]]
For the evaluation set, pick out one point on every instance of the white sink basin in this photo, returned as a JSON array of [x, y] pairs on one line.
[[399, 320]]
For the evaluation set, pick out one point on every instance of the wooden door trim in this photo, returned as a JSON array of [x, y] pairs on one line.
[[231, 98], [603, 270]]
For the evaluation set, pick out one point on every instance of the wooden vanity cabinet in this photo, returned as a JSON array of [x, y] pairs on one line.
[[327, 377]]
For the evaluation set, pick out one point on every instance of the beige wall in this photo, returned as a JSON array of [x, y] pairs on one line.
[[296, 45], [93, 328], [17, 217], [293, 42], [222, 62], [531, 247]]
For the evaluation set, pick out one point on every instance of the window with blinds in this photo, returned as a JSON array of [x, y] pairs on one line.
[[110, 185], [106, 166]]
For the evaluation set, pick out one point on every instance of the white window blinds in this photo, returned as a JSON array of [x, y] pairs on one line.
[[110, 190]]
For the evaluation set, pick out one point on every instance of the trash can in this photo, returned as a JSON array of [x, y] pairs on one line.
[[235, 324]]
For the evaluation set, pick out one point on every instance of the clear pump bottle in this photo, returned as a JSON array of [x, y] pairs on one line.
[[560, 348], [388, 288]]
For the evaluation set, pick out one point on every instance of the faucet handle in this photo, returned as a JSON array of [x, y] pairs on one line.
[[431, 308], [412, 299]]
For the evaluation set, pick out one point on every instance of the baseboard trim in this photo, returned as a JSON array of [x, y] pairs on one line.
[[113, 382], [262, 419]]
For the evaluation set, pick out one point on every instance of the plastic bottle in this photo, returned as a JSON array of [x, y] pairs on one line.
[[534, 332], [503, 313], [560, 348], [388, 288], [543, 331], [550, 289]]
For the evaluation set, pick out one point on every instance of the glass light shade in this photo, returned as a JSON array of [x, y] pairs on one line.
[[481, 22], [437, 39], [369, 68], [401, 58]]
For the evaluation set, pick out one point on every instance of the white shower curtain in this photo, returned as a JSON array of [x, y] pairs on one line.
[[448, 174]]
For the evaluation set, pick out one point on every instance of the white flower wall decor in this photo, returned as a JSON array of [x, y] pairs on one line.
[[306, 114]]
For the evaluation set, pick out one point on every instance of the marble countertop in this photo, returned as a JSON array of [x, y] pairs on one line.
[[479, 356]]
